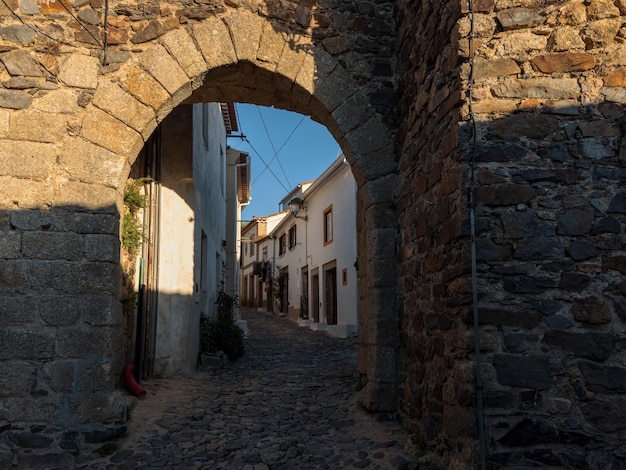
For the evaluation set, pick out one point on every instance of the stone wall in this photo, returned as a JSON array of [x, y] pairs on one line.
[[544, 125], [434, 258], [74, 115]]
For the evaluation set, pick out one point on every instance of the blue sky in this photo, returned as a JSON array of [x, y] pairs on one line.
[[304, 148]]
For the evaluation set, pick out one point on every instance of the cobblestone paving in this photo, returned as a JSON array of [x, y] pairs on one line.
[[288, 404]]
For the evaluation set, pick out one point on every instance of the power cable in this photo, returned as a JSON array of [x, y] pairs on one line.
[[272, 144], [266, 166], [81, 23], [105, 33]]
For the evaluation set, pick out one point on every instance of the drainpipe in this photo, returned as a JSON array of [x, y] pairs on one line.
[[478, 372]]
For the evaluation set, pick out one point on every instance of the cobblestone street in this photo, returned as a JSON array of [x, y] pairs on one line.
[[288, 403]]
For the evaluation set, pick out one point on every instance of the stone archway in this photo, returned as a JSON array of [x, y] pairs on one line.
[[66, 154]]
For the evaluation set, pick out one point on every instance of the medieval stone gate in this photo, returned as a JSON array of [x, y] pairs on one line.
[[514, 105]]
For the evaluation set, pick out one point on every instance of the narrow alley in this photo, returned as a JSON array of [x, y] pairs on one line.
[[288, 403]]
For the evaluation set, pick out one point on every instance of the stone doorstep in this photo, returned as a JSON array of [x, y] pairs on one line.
[[212, 361]]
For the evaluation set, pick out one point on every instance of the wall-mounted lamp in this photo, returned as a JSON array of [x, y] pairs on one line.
[[296, 205]]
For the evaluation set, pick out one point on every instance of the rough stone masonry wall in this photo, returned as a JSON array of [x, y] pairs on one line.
[[550, 153], [435, 372], [73, 119], [548, 103]]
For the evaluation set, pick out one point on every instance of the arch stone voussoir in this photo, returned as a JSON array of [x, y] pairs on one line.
[[379, 163], [369, 137], [305, 78], [162, 66], [353, 111], [182, 47], [146, 89], [292, 57], [245, 29], [110, 97], [334, 89], [215, 43], [103, 129], [270, 47]]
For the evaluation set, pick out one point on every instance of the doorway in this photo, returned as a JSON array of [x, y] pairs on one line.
[[315, 295], [330, 293]]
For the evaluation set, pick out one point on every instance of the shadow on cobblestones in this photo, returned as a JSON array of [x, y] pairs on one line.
[[289, 403]]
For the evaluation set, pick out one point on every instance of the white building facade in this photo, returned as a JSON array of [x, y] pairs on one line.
[[315, 254], [258, 261], [191, 237]]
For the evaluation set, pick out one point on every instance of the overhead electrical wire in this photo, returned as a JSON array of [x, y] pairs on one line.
[[276, 152], [273, 148], [267, 167]]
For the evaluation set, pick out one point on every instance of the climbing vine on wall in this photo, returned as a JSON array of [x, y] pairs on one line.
[[134, 201]]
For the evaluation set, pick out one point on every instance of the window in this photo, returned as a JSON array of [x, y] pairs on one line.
[[292, 237], [251, 249], [344, 277], [282, 244], [328, 225]]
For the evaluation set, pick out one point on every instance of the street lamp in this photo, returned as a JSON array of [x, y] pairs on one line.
[[296, 205]]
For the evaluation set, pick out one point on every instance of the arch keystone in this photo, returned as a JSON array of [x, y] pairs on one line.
[[245, 29], [106, 131], [180, 45], [215, 43]]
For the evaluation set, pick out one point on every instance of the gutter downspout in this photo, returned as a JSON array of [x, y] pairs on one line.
[[472, 196]]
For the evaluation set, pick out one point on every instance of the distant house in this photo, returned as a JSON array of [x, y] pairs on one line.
[[313, 255], [257, 261], [196, 190]]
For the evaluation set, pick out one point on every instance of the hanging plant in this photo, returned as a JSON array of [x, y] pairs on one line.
[[134, 201]]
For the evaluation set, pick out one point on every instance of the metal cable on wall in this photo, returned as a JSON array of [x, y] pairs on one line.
[[472, 203]]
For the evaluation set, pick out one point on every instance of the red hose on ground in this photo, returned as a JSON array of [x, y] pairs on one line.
[[132, 386]]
